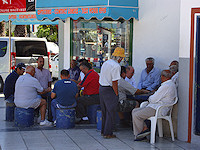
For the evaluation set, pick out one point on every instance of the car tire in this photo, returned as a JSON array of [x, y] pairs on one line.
[[1, 84]]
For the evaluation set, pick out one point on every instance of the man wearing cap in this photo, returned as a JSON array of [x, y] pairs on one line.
[[9, 87], [108, 91]]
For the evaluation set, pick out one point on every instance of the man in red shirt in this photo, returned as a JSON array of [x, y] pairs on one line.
[[90, 92]]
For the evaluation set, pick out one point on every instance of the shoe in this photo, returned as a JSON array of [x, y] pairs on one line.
[[143, 134], [85, 118], [45, 123], [109, 136], [54, 123], [141, 139]]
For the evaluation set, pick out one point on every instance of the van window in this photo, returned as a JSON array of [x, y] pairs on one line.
[[3, 48], [29, 48]]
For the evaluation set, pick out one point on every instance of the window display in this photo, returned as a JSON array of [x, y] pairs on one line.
[[96, 40]]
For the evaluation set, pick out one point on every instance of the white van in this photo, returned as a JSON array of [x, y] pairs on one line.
[[53, 49], [23, 49]]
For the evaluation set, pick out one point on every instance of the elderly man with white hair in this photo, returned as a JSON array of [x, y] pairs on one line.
[[165, 95], [26, 94], [150, 76]]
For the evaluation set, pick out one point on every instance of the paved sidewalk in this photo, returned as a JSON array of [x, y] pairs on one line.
[[82, 137]]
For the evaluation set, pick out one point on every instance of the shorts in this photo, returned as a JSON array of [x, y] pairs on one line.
[[126, 105], [36, 102]]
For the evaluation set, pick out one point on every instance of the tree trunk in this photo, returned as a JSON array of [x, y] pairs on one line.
[[2, 29], [20, 31]]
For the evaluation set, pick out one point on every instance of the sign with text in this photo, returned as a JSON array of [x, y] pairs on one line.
[[8, 6]]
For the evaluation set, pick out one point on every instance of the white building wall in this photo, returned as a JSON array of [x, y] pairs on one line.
[[184, 54], [156, 34]]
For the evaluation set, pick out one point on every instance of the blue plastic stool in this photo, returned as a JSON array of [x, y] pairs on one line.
[[92, 113], [99, 120], [65, 118], [24, 117], [10, 108]]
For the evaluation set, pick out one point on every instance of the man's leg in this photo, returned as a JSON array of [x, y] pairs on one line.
[[83, 102], [48, 99], [53, 109], [138, 117], [43, 106], [103, 107]]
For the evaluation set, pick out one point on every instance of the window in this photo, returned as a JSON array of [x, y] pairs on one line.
[[96, 40], [29, 48], [3, 48]]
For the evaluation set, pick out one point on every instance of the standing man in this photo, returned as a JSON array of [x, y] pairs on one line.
[[26, 94], [64, 94], [150, 76], [9, 87], [129, 76], [108, 91], [44, 77]]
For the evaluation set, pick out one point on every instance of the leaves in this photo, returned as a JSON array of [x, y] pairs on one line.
[[50, 32]]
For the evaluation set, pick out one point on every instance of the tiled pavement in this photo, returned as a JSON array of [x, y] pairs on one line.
[[82, 137]]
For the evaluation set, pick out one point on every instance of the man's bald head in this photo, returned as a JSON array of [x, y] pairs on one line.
[[30, 70], [129, 72]]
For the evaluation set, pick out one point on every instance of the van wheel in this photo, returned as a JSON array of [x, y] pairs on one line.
[[1, 84]]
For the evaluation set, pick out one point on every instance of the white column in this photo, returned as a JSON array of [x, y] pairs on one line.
[[66, 64]]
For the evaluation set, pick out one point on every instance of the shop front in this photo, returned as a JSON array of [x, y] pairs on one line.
[[91, 29]]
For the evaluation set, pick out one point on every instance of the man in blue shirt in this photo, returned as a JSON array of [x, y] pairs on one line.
[[150, 76], [9, 87], [64, 94], [74, 71]]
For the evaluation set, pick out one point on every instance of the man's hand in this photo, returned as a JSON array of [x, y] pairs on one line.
[[48, 89], [145, 91]]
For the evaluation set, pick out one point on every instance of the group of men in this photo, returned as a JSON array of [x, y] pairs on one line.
[[115, 90]]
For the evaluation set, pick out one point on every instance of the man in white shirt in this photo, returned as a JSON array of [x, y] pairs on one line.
[[129, 76], [26, 94], [173, 67], [108, 91], [165, 95]]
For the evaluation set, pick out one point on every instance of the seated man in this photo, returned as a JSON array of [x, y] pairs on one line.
[[26, 94], [174, 69], [74, 71], [129, 76], [124, 88], [9, 86], [150, 76], [90, 92], [64, 94], [163, 96]]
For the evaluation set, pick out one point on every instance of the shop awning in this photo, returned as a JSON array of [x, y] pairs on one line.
[[61, 9], [23, 18]]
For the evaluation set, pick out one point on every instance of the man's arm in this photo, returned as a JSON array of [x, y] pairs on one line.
[[53, 95], [49, 84], [45, 91], [140, 82], [115, 87]]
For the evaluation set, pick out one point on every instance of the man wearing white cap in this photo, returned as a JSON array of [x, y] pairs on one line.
[[108, 91]]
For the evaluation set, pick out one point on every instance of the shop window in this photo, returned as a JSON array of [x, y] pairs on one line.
[[96, 40], [3, 48]]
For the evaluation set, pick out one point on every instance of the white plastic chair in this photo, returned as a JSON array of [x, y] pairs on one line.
[[158, 116]]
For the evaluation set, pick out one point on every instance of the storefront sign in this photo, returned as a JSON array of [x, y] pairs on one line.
[[8, 6], [52, 9]]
